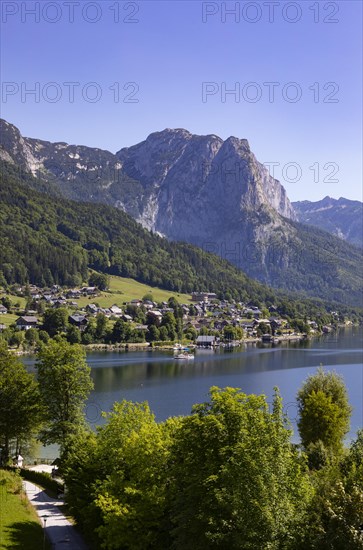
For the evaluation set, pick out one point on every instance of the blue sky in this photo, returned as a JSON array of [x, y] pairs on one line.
[[140, 67]]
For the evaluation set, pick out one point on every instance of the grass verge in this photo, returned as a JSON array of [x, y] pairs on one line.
[[19, 524]]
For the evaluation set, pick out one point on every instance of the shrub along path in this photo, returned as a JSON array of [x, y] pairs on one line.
[[61, 533]]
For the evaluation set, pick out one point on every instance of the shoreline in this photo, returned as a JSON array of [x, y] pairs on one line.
[[147, 346]]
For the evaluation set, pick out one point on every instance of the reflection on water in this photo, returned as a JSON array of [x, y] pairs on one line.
[[172, 387]]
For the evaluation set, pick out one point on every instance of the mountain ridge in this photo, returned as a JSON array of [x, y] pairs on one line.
[[341, 217], [205, 191]]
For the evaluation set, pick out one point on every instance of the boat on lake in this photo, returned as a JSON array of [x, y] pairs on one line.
[[184, 355]]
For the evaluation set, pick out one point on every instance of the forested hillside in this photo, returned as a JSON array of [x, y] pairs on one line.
[[48, 240], [185, 188]]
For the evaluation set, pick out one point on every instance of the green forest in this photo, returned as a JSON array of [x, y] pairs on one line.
[[47, 239], [227, 476]]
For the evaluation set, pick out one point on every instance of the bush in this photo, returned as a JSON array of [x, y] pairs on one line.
[[11, 480], [42, 478]]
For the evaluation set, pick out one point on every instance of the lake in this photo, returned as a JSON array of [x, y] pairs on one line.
[[171, 387]]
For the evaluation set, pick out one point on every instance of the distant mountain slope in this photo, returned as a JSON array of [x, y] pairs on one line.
[[78, 172], [205, 191], [341, 217], [45, 241], [84, 173]]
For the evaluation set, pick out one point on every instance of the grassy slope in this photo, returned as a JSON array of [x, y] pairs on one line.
[[124, 290], [8, 319], [121, 290], [15, 299], [19, 523]]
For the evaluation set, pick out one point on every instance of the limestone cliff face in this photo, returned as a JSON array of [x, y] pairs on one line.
[[215, 194], [198, 189], [202, 189], [172, 182], [81, 173], [15, 149]]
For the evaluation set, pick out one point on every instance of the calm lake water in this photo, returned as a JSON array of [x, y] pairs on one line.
[[171, 387]]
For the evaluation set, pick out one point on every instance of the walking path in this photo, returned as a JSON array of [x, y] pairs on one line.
[[60, 531]]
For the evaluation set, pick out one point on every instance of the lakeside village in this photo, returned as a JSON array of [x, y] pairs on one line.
[[204, 322]]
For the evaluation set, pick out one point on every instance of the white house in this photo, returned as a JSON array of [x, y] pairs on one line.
[[26, 322]]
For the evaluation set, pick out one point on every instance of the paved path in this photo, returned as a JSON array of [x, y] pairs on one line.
[[61, 533]]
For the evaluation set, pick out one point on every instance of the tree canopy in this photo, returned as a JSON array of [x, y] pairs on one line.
[[324, 411], [224, 477], [20, 407], [65, 382]]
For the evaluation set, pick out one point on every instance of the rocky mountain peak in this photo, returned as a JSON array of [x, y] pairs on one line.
[[203, 190], [341, 217]]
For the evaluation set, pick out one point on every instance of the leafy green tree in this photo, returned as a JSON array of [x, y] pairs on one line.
[[237, 481], [353, 462], [40, 307], [117, 482], [168, 320], [300, 325], [101, 326], [121, 331], [133, 494], [55, 321], [100, 280], [324, 411], [16, 338], [192, 310], [65, 382], [82, 470], [138, 336], [170, 323], [20, 408], [132, 310], [318, 455], [164, 335], [3, 282], [74, 335], [152, 320], [89, 335], [153, 334], [148, 296], [263, 328], [178, 311], [335, 514], [31, 337], [190, 333], [232, 333], [44, 336], [6, 302], [87, 338]]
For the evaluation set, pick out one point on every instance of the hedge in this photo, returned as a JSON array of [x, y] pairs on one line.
[[42, 478]]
